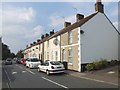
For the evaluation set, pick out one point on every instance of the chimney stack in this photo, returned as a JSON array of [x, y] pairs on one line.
[[46, 35], [66, 24], [31, 44], [99, 7], [42, 36], [52, 32], [26, 46], [38, 40], [79, 17], [34, 42]]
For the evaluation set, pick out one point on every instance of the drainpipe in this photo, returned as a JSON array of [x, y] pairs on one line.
[[60, 50]]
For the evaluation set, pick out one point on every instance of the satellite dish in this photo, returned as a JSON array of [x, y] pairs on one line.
[[55, 41]]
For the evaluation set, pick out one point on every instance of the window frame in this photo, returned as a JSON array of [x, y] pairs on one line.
[[70, 38], [56, 55], [70, 56]]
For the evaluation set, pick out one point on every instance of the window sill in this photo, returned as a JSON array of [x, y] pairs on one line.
[[70, 64]]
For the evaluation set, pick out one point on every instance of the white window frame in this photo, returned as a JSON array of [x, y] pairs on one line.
[[70, 56], [56, 55], [70, 37]]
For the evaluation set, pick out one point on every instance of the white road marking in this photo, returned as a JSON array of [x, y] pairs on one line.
[[14, 72], [111, 72], [23, 71], [30, 71], [54, 82], [7, 76]]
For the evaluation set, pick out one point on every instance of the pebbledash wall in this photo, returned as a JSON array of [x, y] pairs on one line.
[[65, 47], [99, 39]]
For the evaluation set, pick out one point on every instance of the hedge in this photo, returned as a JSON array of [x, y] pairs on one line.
[[97, 65]]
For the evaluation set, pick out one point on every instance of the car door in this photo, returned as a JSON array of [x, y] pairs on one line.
[[46, 66], [27, 62]]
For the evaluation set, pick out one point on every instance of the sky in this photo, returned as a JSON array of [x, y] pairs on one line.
[[24, 22]]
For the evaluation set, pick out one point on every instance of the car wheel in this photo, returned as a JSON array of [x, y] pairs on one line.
[[47, 72], [26, 66]]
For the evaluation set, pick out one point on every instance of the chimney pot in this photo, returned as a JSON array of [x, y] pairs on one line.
[[66, 24]]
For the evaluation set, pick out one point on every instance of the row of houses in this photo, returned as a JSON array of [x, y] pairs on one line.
[[88, 39]]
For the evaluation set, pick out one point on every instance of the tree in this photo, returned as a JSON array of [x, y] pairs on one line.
[[20, 54], [5, 51], [12, 55]]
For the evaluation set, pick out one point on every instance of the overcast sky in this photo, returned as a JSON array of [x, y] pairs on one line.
[[24, 22]]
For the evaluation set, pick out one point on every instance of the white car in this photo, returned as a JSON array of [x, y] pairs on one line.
[[51, 67], [33, 62]]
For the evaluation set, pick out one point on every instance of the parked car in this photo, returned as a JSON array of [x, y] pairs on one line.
[[18, 60], [23, 61], [8, 61], [33, 62], [51, 67]]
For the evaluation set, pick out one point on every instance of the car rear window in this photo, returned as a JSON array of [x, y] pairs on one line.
[[8, 59], [55, 63], [34, 60]]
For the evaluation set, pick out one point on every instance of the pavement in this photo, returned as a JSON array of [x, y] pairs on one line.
[[108, 75]]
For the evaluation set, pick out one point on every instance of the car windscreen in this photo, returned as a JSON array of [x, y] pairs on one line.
[[55, 63], [8, 60], [34, 60]]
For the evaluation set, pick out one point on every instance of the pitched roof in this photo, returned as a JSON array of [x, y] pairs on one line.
[[66, 29], [74, 25]]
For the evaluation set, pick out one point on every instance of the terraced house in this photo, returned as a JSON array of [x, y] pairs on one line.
[[88, 39]]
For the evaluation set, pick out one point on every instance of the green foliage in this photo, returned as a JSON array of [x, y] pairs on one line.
[[103, 63], [19, 54], [12, 55], [97, 65], [6, 53], [113, 62], [89, 66]]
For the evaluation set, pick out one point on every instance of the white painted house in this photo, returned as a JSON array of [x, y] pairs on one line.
[[88, 39], [92, 38], [100, 39], [54, 48]]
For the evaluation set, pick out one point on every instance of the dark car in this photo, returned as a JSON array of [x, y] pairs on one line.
[[8, 61], [18, 60]]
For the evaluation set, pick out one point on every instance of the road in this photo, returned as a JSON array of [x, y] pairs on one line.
[[18, 76], [0, 74]]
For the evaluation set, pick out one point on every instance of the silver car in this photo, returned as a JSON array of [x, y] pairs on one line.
[[8, 61]]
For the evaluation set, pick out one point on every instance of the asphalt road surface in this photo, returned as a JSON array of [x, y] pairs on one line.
[[18, 76]]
